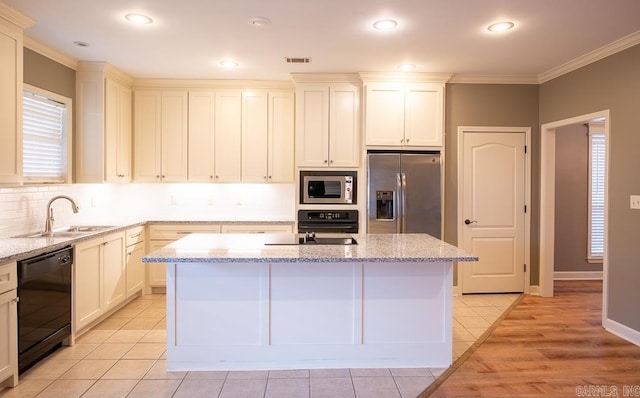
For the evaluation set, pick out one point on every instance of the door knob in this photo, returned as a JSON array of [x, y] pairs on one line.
[[467, 221]]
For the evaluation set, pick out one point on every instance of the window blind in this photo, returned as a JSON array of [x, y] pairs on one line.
[[596, 195], [44, 144]]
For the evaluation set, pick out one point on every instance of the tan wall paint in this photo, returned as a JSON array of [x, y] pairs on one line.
[[495, 105], [572, 200], [47, 74], [612, 83]]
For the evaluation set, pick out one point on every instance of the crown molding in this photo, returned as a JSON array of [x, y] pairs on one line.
[[414, 77], [326, 78], [591, 57], [109, 70], [493, 79], [15, 17], [51, 53], [213, 84]]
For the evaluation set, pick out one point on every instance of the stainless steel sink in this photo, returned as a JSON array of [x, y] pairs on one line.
[[67, 232]]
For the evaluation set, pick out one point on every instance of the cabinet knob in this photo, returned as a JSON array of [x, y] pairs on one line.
[[211, 177], [402, 141], [407, 140], [269, 177], [157, 176], [163, 176], [15, 300], [331, 162], [325, 161], [217, 177], [264, 177]]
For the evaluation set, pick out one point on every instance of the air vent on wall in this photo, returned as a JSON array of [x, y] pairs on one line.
[[298, 60]]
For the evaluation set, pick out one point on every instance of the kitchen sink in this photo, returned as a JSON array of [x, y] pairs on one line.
[[67, 232]]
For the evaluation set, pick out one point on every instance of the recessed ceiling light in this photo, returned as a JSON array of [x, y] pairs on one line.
[[406, 67], [500, 26], [228, 64], [81, 43], [385, 24], [138, 19], [259, 22]]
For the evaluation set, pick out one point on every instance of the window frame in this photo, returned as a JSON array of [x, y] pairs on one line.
[[67, 176], [596, 129]]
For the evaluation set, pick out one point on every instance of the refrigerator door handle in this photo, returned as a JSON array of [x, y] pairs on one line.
[[404, 202], [398, 204]]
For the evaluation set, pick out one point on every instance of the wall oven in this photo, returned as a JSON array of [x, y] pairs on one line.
[[328, 187], [329, 221], [44, 306]]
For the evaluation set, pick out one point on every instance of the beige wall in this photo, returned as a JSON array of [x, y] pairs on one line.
[[612, 83], [47, 74], [572, 200], [495, 105]]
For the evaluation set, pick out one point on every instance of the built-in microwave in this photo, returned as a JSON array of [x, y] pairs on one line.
[[328, 187]]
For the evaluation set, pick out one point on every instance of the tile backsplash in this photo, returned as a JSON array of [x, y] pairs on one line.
[[22, 209]]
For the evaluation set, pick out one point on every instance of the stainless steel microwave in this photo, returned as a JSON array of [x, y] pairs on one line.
[[328, 187]]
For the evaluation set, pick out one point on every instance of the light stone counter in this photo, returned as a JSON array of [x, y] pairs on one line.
[[224, 248]]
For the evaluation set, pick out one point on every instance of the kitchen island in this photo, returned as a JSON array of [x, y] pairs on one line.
[[259, 301]]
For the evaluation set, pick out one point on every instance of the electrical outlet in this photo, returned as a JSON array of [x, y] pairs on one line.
[[635, 201]]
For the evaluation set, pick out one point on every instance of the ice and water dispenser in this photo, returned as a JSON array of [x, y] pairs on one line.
[[384, 205]]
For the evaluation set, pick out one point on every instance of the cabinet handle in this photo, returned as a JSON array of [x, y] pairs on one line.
[[16, 300], [402, 141], [183, 232], [136, 235], [407, 140]]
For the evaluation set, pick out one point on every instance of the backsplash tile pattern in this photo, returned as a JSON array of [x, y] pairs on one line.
[[22, 209]]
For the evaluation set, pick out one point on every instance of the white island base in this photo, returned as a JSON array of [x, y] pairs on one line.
[[306, 315]]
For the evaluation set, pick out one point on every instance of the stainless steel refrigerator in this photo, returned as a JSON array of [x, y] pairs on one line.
[[404, 193]]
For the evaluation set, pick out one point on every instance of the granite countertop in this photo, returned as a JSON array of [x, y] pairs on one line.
[[208, 248], [15, 249]]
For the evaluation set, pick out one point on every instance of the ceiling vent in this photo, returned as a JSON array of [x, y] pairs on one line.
[[299, 60]]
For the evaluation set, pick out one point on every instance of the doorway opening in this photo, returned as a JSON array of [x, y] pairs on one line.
[[548, 195]]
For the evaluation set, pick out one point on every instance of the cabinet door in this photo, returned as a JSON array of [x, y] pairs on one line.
[[228, 136], [135, 268], [8, 336], [384, 114], [201, 136], [114, 270], [281, 137], [423, 114], [10, 103], [157, 271], [344, 130], [174, 136], [87, 287], [254, 136], [147, 142], [117, 130], [312, 125]]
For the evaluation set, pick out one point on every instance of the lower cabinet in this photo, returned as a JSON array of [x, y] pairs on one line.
[[161, 235], [8, 325], [99, 278], [135, 269], [257, 228]]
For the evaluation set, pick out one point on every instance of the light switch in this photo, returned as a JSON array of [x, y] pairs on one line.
[[635, 201]]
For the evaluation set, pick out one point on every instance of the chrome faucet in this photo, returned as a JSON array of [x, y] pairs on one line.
[[48, 224]]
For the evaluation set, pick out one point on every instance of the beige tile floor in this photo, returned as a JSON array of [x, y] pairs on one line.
[[124, 356]]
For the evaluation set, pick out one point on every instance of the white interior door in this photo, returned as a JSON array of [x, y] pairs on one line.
[[493, 211]]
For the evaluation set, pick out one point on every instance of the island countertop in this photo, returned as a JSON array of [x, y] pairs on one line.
[[226, 248]]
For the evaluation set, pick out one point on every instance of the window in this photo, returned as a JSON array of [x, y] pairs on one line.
[[46, 136], [596, 190]]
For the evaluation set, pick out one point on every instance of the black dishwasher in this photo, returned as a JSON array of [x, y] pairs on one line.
[[44, 305]]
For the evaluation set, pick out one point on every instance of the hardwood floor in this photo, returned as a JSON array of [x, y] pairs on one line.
[[548, 347]]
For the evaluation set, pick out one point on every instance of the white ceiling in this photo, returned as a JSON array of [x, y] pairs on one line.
[[188, 38]]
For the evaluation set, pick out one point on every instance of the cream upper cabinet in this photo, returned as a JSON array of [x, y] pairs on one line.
[[228, 136], [160, 135], [117, 125], [10, 102], [103, 119], [404, 114], [201, 136], [327, 125], [267, 136], [255, 135]]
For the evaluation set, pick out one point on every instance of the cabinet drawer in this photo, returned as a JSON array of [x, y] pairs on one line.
[[135, 235], [257, 228], [8, 277], [177, 231]]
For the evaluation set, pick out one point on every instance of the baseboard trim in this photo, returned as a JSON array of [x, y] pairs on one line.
[[457, 290], [534, 290], [577, 275], [622, 331]]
